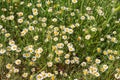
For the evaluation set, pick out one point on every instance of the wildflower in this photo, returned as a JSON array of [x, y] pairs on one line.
[[1, 26], [74, 1], [61, 72], [38, 5], [2, 51], [24, 32], [67, 55], [20, 14], [39, 77], [97, 61], [30, 16], [26, 55], [93, 29], [60, 45], [93, 70], [59, 52], [82, 18], [35, 11], [115, 52], [117, 75], [9, 66], [88, 8], [48, 2], [14, 47], [11, 42], [83, 64], [55, 38], [8, 75], [7, 34], [44, 19], [87, 37], [22, 2], [114, 32], [54, 19], [113, 39], [105, 52], [57, 59], [29, 4], [16, 70], [72, 14], [37, 55], [24, 75], [11, 17], [18, 62], [67, 61], [1, 45], [49, 75], [49, 64], [88, 59], [35, 38], [98, 50], [72, 61], [31, 28], [85, 71], [101, 39], [111, 57], [39, 50], [105, 67], [79, 38], [20, 20], [34, 58], [100, 12], [76, 59], [50, 9], [71, 49], [97, 74], [56, 72], [65, 74]]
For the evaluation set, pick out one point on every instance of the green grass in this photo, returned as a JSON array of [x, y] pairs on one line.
[[106, 24]]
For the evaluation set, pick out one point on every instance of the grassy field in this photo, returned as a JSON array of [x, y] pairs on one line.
[[59, 39]]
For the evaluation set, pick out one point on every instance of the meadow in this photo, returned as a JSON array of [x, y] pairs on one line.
[[59, 39]]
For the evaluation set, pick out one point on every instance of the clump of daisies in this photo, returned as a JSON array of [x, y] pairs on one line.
[[48, 39]]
